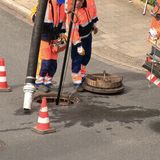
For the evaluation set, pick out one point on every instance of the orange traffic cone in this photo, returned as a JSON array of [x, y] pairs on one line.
[[3, 80], [43, 124]]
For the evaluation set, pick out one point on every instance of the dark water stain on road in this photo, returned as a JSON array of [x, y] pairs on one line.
[[88, 115], [93, 109]]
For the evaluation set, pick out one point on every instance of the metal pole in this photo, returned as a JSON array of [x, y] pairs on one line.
[[66, 54], [145, 8], [33, 55]]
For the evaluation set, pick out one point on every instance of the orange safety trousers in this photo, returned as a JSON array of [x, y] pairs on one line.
[[46, 52]]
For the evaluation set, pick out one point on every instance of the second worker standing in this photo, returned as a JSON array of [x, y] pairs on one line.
[[84, 24]]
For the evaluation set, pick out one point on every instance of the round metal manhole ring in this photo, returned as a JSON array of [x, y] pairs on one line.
[[65, 100], [104, 80], [103, 91]]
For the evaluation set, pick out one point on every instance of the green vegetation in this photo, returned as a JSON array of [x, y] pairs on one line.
[[151, 2]]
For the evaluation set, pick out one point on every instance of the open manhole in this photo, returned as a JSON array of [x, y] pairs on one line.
[[65, 99]]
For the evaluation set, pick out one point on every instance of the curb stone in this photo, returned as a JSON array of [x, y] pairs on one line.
[[16, 7]]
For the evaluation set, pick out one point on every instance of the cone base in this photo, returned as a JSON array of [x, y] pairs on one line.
[[51, 130], [8, 89]]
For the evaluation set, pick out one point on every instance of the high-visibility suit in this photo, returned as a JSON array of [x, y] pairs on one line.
[[84, 23], [154, 32], [53, 27]]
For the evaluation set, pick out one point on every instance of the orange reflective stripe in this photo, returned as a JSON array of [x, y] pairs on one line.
[[83, 69], [76, 78]]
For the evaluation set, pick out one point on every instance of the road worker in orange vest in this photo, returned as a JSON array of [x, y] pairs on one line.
[[84, 23], [154, 32], [52, 42]]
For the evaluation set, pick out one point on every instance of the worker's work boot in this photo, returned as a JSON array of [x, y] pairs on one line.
[[39, 81], [78, 87], [39, 84], [47, 80], [48, 83]]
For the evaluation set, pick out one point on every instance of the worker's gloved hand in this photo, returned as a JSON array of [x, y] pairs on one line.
[[95, 29], [81, 51]]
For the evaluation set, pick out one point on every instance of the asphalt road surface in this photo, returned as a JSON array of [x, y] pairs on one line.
[[99, 127]]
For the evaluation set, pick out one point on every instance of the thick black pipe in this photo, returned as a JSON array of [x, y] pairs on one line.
[[35, 42], [66, 54]]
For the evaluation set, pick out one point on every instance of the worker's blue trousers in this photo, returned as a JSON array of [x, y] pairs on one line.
[[48, 67], [78, 60]]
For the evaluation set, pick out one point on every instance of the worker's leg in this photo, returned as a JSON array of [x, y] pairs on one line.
[[87, 45], [44, 56], [51, 72], [76, 66]]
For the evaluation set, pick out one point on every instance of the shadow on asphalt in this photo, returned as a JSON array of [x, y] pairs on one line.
[[155, 126], [130, 76], [89, 115]]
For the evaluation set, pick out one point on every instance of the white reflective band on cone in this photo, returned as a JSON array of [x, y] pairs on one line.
[[27, 100], [157, 82], [2, 68], [43, 120], [3, 79], [150, 76], [44, 109]]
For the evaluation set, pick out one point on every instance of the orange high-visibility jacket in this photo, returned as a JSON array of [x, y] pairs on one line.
[[54, 24], [55, 13], [156, 17], [54, 21], [84, 20]]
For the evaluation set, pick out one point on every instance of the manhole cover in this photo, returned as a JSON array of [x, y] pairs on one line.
[[103, 91], [65, 99], [103, 83], [104, 80]]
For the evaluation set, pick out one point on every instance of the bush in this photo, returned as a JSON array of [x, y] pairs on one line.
[[151, 2]]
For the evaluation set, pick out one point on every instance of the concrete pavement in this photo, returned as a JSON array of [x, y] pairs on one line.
[[123, 30]]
